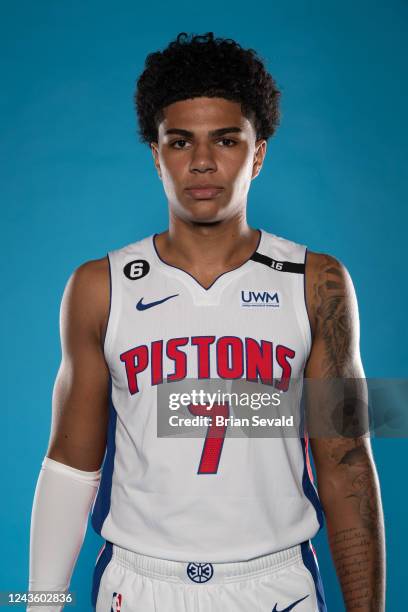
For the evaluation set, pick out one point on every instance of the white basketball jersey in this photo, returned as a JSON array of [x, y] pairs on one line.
[[174, 497]]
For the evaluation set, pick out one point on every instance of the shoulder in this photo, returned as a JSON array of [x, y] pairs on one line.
[[328, 285], [90, 278], [328, 271], [86, 296], [322, 263]]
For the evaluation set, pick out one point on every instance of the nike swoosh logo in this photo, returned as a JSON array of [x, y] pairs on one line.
[[141, 306], [295, 603]]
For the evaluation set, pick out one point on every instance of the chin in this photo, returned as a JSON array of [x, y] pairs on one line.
[[205, 219], [202, 211]]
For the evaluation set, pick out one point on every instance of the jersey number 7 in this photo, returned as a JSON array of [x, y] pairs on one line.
[[214, 439]]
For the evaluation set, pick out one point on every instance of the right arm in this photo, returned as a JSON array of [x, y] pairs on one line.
[[80, 398], [70, 474]]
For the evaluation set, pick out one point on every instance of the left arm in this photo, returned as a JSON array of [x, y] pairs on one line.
[[347, 480]]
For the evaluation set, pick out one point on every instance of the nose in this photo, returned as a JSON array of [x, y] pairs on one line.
[[202, 159]]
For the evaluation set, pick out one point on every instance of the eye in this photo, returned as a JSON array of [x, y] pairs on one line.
[[179, 144], [227, 142]]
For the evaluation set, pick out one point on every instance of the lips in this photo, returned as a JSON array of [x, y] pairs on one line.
[[204, 192]]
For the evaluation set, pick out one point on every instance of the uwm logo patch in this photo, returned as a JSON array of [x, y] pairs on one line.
[[260, 299]]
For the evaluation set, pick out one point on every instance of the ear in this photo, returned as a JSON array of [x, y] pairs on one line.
[[155, 152], [259, 156]]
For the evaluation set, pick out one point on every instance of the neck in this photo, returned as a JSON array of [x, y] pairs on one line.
[[211, 247]]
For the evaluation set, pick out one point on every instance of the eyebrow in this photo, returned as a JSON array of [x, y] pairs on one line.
[[219, 132]]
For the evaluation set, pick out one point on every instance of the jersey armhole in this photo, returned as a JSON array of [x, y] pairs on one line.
[[114, 301], [303, 313], [309, 324]]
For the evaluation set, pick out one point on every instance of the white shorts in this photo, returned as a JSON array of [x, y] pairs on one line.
[[125, 581]]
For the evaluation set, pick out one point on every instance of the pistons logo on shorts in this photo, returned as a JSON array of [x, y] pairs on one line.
[[200, 572], [116, 604]]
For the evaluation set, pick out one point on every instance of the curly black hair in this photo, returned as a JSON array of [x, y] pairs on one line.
[[202, 65]]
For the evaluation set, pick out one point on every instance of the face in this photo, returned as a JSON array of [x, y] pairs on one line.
[[206, 155]]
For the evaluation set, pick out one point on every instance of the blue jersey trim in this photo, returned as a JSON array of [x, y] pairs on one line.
[[308, 488], [305, 296], [103, 499], [110, 302], [100, 567], [311, 564]]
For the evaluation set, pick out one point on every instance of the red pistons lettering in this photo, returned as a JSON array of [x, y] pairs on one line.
[[234, 357]]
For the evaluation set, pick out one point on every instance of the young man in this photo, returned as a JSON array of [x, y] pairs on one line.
[[221, 524]]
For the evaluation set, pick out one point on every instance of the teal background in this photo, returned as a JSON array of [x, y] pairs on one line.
[[75, 182]]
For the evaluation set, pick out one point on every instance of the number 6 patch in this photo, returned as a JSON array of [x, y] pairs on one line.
[[136, 269]]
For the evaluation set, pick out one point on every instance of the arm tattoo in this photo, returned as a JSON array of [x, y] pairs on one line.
[[351, 554], [349, 493], [333, 317], [354, 525], [362, 487]]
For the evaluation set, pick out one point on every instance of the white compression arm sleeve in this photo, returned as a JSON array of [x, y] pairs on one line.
[[62, 502]]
